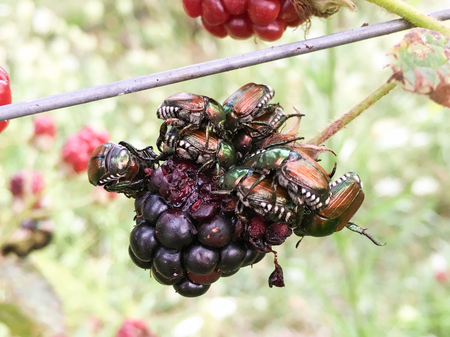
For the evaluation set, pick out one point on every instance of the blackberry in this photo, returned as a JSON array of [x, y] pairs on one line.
[[174, 229], [189, 236], [138, 262], [143, 241], [200, 260], [232, 256], [217, 232], [205, 279], [168, 262], [152, 208], [188, 288]]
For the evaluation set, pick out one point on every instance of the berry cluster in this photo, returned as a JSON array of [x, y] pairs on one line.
[[27, 187], [5, 94], [134, 328], [78, 148], [44, 132], [185, 234], [267, 19]]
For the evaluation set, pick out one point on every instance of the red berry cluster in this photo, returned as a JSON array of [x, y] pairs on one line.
[[78, 148], [27, 188], [27, 182], [5, 94], [44, 132], [241, 19], [134, 328]]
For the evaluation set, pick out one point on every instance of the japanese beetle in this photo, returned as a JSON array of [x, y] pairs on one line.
[[260, 128], [247, 102], [274, 205], [346, 198], [193, 145], [305, 180], [120, 167], [184, 109]]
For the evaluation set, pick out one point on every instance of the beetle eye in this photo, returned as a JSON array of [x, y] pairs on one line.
[[122, 160]]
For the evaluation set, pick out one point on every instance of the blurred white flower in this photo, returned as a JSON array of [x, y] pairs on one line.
[[424, 186], [407, 313], [188, 327], [221, 307], [420, 139], [438, 262], [43, 20], [389, 135], [388, 187]]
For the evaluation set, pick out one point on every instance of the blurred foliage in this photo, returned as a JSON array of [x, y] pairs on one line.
[[336, 286]]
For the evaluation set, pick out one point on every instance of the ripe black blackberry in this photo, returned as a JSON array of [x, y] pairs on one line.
[[189, 236]]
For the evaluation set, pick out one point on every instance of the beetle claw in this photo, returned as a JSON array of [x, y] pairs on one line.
[[298, 242], [363, 231]]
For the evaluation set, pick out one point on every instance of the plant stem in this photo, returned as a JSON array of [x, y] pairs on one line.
[[342, 121], [412, 15]]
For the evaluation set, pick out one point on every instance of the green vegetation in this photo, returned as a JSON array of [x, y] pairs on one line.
[[342, 285]]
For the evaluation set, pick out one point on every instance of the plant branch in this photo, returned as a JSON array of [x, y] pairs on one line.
[[342, 121], [412, 15]]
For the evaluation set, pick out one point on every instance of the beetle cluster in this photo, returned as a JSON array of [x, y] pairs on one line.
[[225, 188]]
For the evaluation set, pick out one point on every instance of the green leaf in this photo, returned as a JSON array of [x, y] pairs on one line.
[[29, 306], [422, 64]]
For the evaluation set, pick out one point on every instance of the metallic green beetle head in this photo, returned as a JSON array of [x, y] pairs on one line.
[[110, 162], [226, 155]]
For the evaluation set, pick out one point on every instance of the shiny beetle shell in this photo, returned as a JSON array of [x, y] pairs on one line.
[[305, 180], [248, 101], [186, 108], [263, 199], [110, 162], [346, 198]]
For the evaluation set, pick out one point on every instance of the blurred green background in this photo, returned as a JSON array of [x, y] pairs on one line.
[[342, 285]]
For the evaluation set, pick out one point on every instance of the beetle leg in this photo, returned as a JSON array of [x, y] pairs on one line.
[[165, 154], [333, 171], [284, 142], [203, 167], [355, 228], [261, 178], [162, 134]]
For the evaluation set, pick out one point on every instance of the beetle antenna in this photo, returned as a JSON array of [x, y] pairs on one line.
[[355, 228]]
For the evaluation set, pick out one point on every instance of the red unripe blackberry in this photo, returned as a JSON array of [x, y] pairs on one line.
[[205, 279], [193, 8], [44, 125], [235, 7], [263, 12], [78, 148], [271, 32], [214, 12], [239, 27], [27, 182]]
